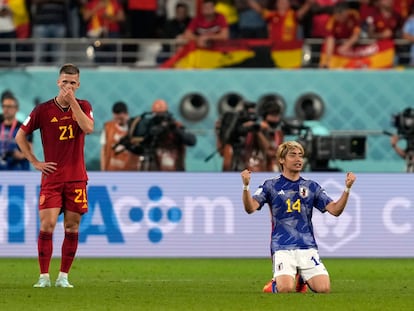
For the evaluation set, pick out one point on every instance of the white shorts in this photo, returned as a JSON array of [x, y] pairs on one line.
[[306, 262]]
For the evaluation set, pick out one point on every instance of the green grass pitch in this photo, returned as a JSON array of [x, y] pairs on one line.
[[203, 284]]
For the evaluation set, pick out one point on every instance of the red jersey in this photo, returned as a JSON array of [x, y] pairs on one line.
[[144, 5], [281, 27], [344, 30], [62, 138], [382, 23], [402, 7], [200, 26], [319, 20], [111, 9]]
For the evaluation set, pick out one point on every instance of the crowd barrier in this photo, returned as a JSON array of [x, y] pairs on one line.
[[201, 215]]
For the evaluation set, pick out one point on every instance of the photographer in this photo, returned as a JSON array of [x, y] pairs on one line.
[[272, 128], [11, 158], [240, 140], [404, 122], [159, 139], [116, 158], [394, 140]]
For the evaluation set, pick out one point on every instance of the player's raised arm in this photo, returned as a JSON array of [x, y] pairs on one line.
[[250, 205], [336, 208]]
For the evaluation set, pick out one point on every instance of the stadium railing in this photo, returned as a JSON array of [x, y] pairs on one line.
[[137, 53]]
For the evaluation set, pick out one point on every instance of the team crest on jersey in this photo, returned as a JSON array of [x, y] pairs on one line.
[[303, 191]]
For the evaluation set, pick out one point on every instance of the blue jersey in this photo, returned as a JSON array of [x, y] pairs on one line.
[[291, 204]]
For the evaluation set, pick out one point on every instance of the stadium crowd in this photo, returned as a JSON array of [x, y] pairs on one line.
[[279, 20]]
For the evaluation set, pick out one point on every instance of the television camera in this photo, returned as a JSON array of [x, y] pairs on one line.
[[145, 131], [404, 123]]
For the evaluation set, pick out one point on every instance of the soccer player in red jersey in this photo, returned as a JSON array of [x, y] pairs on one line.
[[63, 123]]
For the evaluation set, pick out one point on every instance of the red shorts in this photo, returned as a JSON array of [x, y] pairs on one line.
[[71, 196]]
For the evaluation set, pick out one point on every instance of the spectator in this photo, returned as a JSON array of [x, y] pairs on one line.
[[403, 8], [171, 5], [366, 13], [320, 14], [206, 27], [251, 23], [174, 27], [114, 157], [386, 23], [342, 27], [142, 18], [7, 30], [49, 20], [229, 11], [283, 21], [408, 34], [11, 158], [104, 18], [21, 18], [76, 25], [141, 24]]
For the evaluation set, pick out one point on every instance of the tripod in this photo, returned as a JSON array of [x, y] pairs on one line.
[[409, 155]]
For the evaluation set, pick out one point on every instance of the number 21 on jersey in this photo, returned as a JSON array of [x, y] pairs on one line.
[[66, 132]]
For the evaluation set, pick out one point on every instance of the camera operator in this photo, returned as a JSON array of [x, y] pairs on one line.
[[404, 122], [394, 141], [114, 157], [11, 158], [272, 129], [159, 139], [240, 140]]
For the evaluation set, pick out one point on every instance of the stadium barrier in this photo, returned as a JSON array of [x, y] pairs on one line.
[[201, 215]]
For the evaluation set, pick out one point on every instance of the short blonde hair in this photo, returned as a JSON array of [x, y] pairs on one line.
[[284, 148]]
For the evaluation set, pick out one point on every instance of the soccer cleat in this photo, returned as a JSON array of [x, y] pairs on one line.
[[301, 286], [63, 282], [43, 281], [270, 287]]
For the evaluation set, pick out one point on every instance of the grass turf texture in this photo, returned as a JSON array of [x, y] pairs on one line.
[[203, 284]]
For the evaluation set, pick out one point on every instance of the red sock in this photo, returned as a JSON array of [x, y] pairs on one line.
[[45, 249], [69, 247]]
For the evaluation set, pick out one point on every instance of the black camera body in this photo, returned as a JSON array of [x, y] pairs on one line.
[[146, 130], [404, 122], [233, 124]]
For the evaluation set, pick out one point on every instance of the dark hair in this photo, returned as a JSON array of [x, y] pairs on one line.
[[69, 69], [7, 94], [270, 107], [181, 5], [209, 1], [120, 107]]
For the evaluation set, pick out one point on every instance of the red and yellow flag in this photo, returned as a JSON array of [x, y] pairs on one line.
[[237, 53], [376, 55]]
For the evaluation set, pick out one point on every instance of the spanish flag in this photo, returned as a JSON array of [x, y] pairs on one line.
[[219, 54], [237, 53], [376, 55], [287, 54]]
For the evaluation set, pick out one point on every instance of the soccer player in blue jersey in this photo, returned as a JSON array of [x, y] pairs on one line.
[[291, 199]]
